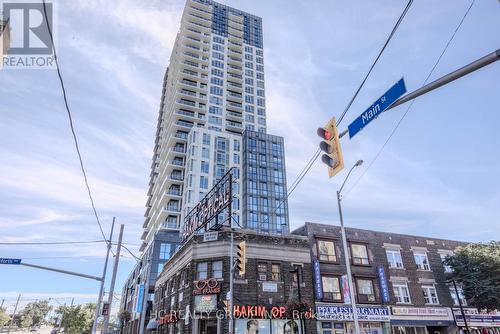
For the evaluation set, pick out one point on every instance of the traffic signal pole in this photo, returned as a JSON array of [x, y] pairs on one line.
[[231, 281]]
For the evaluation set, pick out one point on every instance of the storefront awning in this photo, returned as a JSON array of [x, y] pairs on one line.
[[408, 322], [152, 324]]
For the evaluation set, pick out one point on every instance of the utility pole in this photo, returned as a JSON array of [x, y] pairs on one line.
[[14, 314], [101, 290], [231, 280], [297, 272], [3, 300], [461, 307], [113, 279]]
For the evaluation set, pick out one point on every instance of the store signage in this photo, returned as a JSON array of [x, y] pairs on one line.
[[259, 311], [206, 287], [170, 318], [217, 199], [421, 311], [345, 289], [210, 236], [205, 303], [342, 313], [384, 288], [269, 287], [477, 320], [140, 297], [318, 287]]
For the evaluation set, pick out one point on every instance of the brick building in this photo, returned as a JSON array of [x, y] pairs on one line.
[[399, 281], [191, 290]]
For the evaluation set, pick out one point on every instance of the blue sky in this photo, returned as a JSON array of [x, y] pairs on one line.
[[438, 176]]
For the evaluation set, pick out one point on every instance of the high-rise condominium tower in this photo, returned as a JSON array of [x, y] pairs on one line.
[[213, 91]]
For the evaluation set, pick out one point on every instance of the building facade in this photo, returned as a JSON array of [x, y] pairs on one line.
[[399, 280], [191, 293], [4, 39], [265, 206]]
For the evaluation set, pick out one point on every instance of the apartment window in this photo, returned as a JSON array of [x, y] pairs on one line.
[[249, 73], [216, 90], [160, 268], [260, 75], [236, 158], [202, 270], [359, 254], [217, 269], [366, 291], [430, 295], [259, 52], [249, 99], [326, 251], [214, 120], [217, 63], [402, 293], [165, 251], [217, 81], [331, 288], [205, 153], [262, 271], [394, 258], [275, 272], [203, 182], [261, 102], [216, 100], [458, 297], [217, 55], [421, 260], [217, 72], [204, 167], [447, 268]]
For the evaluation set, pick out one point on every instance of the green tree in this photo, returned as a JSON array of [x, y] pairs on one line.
[[34, 313], [124, 316], [4, 317], [77, 319], [476, 267]]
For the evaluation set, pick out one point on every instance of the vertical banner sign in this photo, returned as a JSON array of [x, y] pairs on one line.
[[140, 298], [345, 289], [384, 288], [317, 280]]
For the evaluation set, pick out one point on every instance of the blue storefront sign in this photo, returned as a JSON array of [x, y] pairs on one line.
[[140, 298], [384, 288], [334, 312], [318, 288]]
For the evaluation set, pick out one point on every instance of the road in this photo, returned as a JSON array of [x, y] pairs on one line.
[[43, 330]]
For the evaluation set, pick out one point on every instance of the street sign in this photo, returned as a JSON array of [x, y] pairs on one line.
[[10, 261], [394, 93]]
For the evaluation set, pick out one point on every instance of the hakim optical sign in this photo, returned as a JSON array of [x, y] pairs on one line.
[[213, 210]]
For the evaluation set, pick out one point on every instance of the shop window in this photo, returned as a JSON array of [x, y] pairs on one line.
[[409, 330], [366, 291], [430, 295], [217, 269], [326, 250], [275, 272], [331, 288], [262, 271], [401, 293], [202, 270], [359, 254]]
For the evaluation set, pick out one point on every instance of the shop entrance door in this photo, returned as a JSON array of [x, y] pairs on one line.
[[208, 326]]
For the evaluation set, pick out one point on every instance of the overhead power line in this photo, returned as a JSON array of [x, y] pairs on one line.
[[317, 153], [412, 101], [82, 167], [50, 243]]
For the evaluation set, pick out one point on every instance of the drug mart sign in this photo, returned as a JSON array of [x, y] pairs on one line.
[[344, 313]]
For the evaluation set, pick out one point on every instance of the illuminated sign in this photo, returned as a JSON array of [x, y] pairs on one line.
[[339, 313], [206, 287], [205, 303], [170, 318], [258, 311], [208, 209]]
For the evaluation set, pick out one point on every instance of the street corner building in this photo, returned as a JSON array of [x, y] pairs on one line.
[[192, 290], [400, 284]]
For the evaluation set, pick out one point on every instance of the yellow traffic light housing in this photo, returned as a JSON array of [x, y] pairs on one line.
[[241, 258], [331, 146]]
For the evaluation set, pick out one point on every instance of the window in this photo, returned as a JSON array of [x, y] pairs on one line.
[[262, 271], [457, 298], [326, 251], [217, 269], [215, 120], [275, 272], [366, 292], [217, 55], [394, 258], [217, 63], [203, 182], [249, 108], [217, 72], [236, 158], [160, 268], [359, 254], [202, 270], [447, 269], [216, 90], [430, 295], [204, 167], [331, 288], [205, 153], [402, 293], [206, 139], [165, 251], [217, 81], [216, 100], [421, 260]]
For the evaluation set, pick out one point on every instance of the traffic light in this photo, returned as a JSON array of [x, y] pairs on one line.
[[241, 257], [331, 146]]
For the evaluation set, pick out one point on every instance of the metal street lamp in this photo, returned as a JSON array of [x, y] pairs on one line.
[[344, 244]]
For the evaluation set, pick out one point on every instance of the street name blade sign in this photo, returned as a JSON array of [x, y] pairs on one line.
[[394, 93], [10, 261]]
